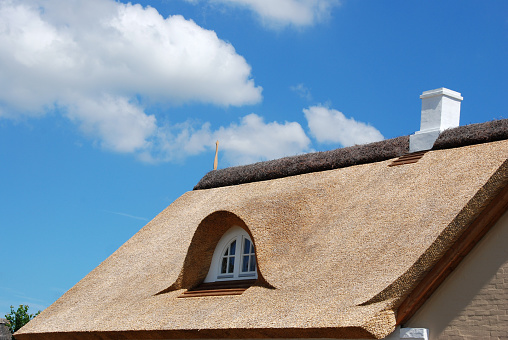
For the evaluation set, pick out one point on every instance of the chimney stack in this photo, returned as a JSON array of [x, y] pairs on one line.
[[440, 111]]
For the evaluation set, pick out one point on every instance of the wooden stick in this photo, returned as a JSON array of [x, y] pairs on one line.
[[216, 161]]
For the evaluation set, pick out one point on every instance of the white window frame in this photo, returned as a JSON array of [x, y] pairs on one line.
[[234, 233]]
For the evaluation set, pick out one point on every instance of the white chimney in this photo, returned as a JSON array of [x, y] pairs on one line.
[[440, 111]]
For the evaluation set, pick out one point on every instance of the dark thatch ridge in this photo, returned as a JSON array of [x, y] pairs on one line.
[[472, 134], [354, 155], [302, 164]]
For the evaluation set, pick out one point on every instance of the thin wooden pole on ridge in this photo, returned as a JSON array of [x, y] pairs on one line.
[[216, 161]]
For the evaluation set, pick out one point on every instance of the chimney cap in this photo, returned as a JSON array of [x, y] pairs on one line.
[[443, 91]]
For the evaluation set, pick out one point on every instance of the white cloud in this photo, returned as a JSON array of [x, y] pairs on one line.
[[101, 62], [116, 123], [97, 59], [331, 126], [249, 141], [279, 13], [253, 140]]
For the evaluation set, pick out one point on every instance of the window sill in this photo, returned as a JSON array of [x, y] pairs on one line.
[[219, 288]]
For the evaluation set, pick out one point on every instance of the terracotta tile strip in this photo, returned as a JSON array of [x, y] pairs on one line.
[[408, 158]]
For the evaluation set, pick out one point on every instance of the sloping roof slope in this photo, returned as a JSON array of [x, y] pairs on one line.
[[337, 251]]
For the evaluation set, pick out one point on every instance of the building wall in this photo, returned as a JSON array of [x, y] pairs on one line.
[[472, 303]]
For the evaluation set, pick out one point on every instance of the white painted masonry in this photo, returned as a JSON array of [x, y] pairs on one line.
[[414, 334], [440, 111]]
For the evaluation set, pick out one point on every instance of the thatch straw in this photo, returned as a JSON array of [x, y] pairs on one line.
[[338, 250]]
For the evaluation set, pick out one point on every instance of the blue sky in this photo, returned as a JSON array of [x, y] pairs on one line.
[[110, 111]]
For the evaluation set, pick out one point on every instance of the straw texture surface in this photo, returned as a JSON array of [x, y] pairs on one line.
[[337, 252]]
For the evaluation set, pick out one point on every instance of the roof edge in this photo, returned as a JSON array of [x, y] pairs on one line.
[[350, 332], [481, 212], [452, 258]]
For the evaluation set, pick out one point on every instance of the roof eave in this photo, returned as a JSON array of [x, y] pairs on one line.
[[231, 333], [452, 258]]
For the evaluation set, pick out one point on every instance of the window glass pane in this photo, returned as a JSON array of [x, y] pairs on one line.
[[231, 265], [252, 263], [227, 252], [224, 265], [245, 264], [233, 247], [252, 248], [246, 246]]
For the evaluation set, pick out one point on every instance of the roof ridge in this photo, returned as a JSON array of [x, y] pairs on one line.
[[348, 156], [306, 163], [472, 134]]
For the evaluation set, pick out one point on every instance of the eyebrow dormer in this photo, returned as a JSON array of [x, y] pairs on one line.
[[221, 259]]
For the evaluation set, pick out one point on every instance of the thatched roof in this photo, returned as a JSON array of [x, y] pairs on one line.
[[337, 251], [354, 155], [5, 333]]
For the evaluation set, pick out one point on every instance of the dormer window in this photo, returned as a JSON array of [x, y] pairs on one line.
[[234, 257], [238, 263]]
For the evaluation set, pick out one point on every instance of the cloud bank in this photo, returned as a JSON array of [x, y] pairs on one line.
[[98, 60], [101, 63]]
